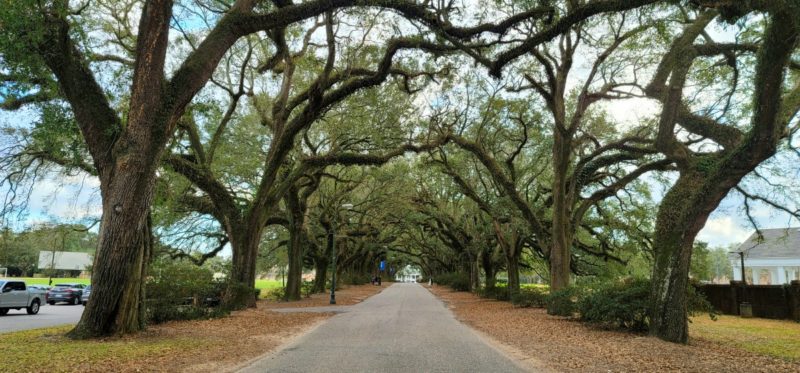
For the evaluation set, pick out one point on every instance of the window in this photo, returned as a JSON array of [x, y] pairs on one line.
[[18, 285]]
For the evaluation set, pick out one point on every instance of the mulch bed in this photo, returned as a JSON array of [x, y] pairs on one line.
[[565, 345]]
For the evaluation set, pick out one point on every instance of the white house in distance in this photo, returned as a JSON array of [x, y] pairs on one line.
[[774, 260], [408, 274]]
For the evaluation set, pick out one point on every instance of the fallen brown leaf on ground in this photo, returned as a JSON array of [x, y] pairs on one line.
[[346, 297], [228, 343], [566, 345]]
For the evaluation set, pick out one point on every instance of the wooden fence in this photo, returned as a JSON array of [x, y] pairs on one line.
[[768, 301]]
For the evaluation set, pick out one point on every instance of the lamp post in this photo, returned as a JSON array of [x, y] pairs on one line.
[[346, 206]]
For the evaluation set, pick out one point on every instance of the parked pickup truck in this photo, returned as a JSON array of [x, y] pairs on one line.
[[15, 295]]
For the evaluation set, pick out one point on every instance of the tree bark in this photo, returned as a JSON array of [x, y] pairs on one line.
[[294, 277], [512, 248], [321, 274], [512, 262], [121, 261], [562, 228], [679, 219], [475, 278], [489, 270], [241, 287]]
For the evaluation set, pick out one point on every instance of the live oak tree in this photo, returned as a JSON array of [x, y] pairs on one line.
[[730, 148], [309, 89], [256, 113], [512, 142], [579, 151], [44, 49]]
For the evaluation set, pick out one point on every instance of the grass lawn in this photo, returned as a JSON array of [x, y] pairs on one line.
[[37, 349], [778, 338], [535, 286], [46, 280], [268, 284]]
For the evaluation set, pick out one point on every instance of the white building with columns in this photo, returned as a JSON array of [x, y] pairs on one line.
[[774, 260]]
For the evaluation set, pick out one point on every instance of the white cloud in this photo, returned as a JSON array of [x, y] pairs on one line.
[[631, 112], [66, 199], [722, 232]]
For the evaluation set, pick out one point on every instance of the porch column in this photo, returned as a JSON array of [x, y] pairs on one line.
[[781, 276], [755, 273]]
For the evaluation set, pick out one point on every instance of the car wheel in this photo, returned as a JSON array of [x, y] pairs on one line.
[[51, 303], [76, 301], [3, 311], [34, 308]]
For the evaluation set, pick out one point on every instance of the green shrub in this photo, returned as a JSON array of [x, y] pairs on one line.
[[501, 293], [626, 304], [498, 292], [456, 280], [563, 302], [349, 278], [530, 297], [623, 304], [460, 282], [275, 294], [307, 288], [182, 291]]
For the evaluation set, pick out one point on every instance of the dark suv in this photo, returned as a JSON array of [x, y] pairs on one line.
[[69, 293], [85, 296]]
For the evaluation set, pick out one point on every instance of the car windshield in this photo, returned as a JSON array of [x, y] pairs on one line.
[[88, 287]]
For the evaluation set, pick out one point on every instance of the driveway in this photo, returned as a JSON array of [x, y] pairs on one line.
[[48, 316], [402, 329]]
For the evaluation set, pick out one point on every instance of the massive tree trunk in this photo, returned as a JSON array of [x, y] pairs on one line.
[[489, 269], [244, 245], [512, 263], [295, 254], [120, 266], [294, 278], [321, 274], [474, 275], [682, 214], [126, 160], [562, 227], [512, 249]]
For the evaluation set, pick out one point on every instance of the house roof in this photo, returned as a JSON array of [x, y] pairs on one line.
[[777, 243]]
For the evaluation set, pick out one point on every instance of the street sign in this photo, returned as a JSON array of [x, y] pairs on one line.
[[382, 266]]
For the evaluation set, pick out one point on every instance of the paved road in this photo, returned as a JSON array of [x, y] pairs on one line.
[[48, 316], [402, 329]]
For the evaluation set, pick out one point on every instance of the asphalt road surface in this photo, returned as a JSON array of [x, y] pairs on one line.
[[402, 329], [48, 315]]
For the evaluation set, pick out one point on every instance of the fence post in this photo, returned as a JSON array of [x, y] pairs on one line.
[[734, 297], [793, 299]]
